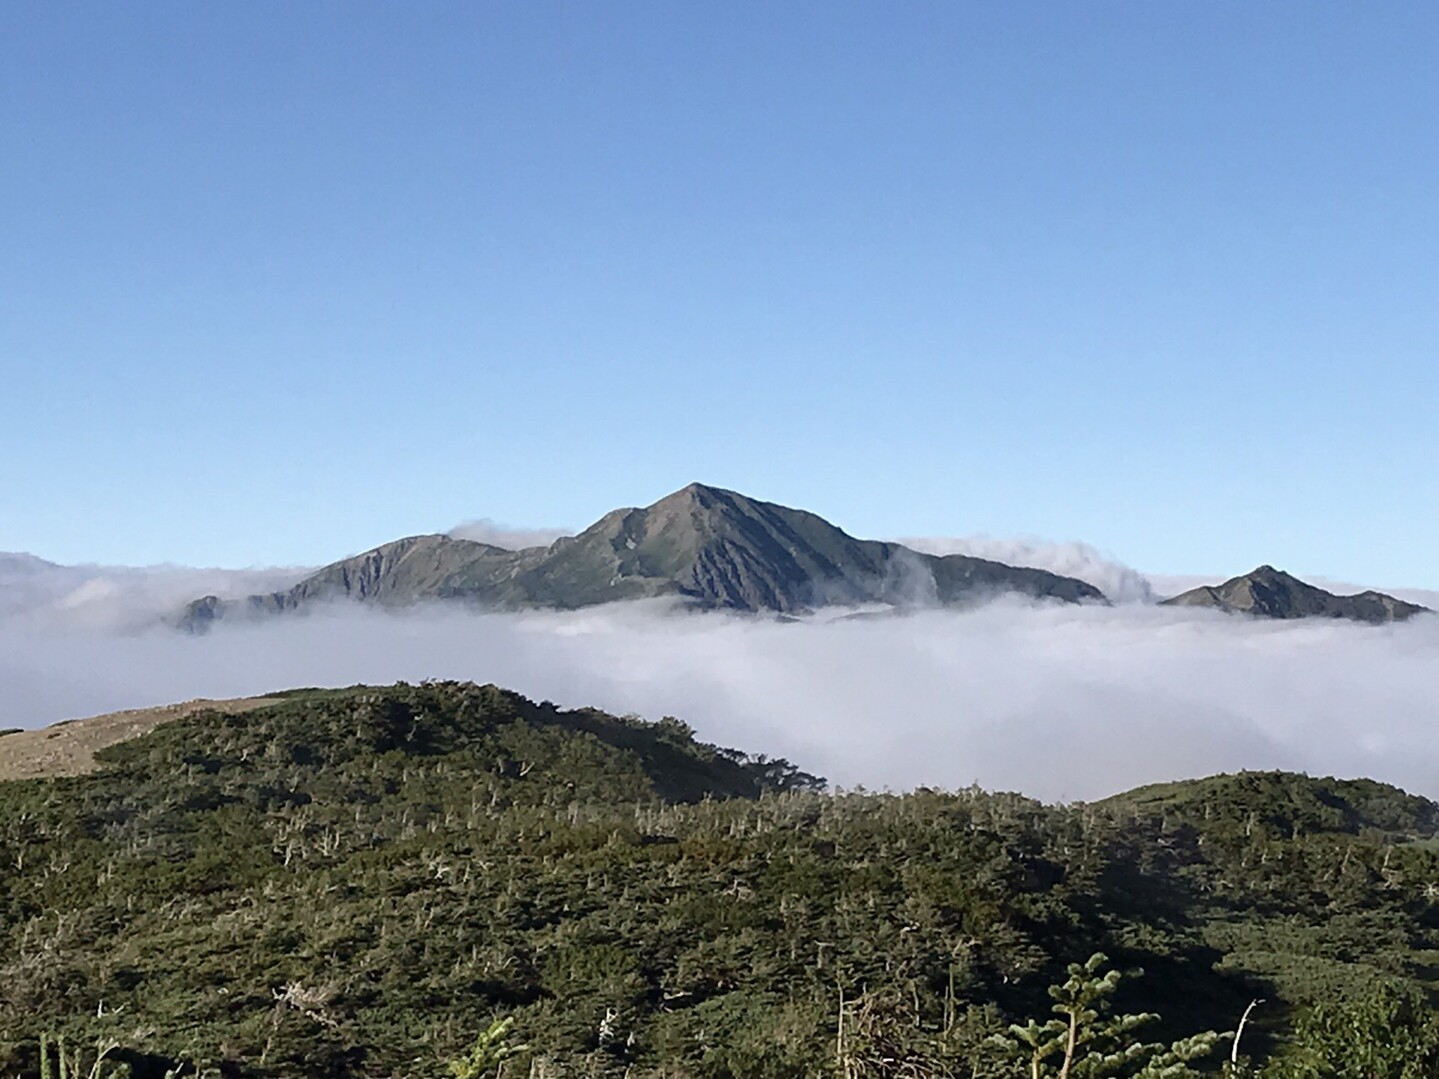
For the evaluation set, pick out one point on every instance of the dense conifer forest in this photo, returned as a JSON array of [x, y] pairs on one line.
[[449, 879]]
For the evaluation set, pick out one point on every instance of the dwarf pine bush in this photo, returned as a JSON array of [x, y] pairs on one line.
[[1084, 1041]]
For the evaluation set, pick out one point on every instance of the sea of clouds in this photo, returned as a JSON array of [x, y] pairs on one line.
[[1058, 701]]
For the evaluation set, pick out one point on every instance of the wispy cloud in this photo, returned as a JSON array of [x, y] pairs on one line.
[[484, 530], [52, 596], [1120, 583], [1056, 701]]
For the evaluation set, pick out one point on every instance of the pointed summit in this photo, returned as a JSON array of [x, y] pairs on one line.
[[695, 492], [1270, 593], [708, 546]]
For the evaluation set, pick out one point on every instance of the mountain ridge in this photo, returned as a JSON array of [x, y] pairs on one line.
[[1266, 592], [706, 546], [82, 744]]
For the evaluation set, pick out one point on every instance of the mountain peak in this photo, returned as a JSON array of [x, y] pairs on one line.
[[1271, 593], [705, 545], [700, 490], [700, 496]]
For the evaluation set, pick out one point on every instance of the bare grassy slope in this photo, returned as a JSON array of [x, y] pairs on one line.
[[68, 748]]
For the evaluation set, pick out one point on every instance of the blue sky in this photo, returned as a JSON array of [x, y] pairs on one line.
[[279, 282]]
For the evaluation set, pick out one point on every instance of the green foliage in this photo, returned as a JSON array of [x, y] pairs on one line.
[[1086, 1042], [488, 1053], [71, 1064], [1389, 1033], [351, 881], [1284, 805]]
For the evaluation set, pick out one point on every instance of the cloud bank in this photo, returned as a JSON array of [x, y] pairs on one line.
[[1120, 583], [118, 598], [1059, 702]]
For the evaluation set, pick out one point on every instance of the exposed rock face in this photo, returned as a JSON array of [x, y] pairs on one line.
[[712, 547], [1271, 593]]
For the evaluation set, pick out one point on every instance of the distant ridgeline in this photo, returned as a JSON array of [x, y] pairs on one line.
[[709, 547], [353, 883], [1271, 593], [716, 549]]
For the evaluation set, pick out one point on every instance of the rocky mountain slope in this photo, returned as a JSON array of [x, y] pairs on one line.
[[1271, 593], [711, 547]]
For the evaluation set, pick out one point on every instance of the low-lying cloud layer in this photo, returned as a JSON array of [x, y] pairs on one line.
[[117, 598], [1059, 702]]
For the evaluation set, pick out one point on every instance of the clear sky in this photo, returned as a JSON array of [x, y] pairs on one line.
[[280, 281]]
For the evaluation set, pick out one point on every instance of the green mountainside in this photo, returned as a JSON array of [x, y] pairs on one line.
[[1271, 593], [359, 882], [1284, 804], [711, 547]]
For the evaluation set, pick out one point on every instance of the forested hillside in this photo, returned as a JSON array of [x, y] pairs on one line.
[[361, 882]]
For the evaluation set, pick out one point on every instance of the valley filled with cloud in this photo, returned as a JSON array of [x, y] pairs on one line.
[[1058, 701]]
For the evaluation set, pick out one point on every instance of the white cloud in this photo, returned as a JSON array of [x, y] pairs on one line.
[[1057, 701], [118, 597], [1120, 583], [484, 530]]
